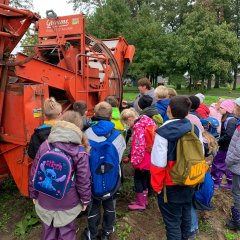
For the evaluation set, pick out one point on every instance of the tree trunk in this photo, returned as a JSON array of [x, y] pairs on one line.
[[190, 83], [235, 78], [178, 86], [209, 83], [216, 85]]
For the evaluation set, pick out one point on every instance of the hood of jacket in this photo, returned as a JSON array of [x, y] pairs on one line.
[[149, 111], [65, 132], [115, 113], [144, 121], [163, 104], [102, 127], [174, 129], [42, 132]]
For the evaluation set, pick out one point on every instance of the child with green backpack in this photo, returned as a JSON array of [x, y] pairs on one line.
[[169, 177]]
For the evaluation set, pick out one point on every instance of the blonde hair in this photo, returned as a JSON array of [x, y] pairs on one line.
[[161, 92], [127, 113], [52, 108], [172, 92], [212, 142], [103, 109], [76, 119]]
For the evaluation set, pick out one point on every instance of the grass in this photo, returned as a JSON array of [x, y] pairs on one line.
[[129, 94], [231, 235]]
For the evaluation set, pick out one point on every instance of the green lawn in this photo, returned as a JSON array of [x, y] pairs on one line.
[[129, 93]]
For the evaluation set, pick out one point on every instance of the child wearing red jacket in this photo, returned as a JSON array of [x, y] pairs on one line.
[[176, 212]]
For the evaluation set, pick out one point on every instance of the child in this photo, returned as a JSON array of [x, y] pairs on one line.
[[140, 158], [52, 111], [202, 110], [171, 93], [115, 113], [81, 108], [146, 108], [193, 116], [99, 132], [58, 216], [176, 212], [161, 94], [227, 129], [215, 112], [233, 164]]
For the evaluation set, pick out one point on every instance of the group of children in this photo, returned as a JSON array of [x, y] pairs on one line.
[[166, 117]]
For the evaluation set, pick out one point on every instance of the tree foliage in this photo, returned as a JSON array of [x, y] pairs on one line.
[[206, 48], [22, 4]]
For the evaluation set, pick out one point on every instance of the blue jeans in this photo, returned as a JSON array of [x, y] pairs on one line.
[[177, 218], [194, 220]]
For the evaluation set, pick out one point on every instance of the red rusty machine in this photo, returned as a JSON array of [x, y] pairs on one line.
[[67, 63]]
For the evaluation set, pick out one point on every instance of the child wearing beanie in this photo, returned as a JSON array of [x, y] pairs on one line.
[[229, 123], [202, 110], [52, 111], [146, 108]]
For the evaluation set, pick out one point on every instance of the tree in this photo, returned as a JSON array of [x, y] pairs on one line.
[[171, 12], [29, 41], [206, 48], [87, 6], [149, 38], [27, 4], [107, 23]]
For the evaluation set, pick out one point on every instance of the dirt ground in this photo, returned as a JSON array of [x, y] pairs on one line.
[[18, 221]]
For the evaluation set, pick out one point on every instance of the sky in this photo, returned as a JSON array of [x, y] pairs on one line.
[[60, 7]]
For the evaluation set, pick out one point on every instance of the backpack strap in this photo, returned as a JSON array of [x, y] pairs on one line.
[[82, 149], [112, 135], [192, 129], [49, 145]]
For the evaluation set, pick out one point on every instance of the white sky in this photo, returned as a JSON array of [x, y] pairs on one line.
[[60, 7]]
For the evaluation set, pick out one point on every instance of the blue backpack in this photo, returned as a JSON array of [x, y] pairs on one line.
[[202, 197], [54, 173], [104, 166]]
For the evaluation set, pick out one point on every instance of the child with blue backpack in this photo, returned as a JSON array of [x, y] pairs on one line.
[[59, 182], [107, 147]]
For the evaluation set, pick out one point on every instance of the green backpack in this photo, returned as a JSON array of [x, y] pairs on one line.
[[190, 167]]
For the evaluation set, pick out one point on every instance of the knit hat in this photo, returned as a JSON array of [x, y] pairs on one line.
[[52, 107], [145, 101], [228, 105], [195, 102], [201, 97], [237, 101]]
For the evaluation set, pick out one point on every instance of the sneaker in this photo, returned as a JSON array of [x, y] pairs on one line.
[[105, 236]]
